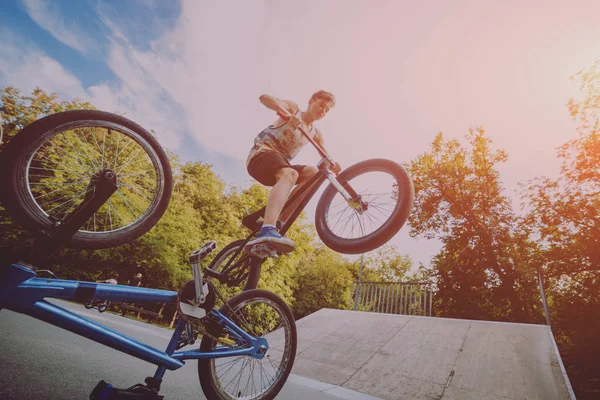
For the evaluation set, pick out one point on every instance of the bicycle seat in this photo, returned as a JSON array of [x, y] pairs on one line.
[[254, 221]]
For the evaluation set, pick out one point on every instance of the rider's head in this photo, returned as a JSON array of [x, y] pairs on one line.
[[320, 103]]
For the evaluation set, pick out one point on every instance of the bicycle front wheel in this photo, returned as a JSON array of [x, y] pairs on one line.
[[261, 314], [51, 164], [385, 197]]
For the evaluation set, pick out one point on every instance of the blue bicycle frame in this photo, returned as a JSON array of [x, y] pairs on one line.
[[21, 291]]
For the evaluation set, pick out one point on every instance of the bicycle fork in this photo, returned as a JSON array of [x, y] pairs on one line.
[[348, 193]]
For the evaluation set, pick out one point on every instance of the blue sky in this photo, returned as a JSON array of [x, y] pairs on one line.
[[402, 71], [79, 36]]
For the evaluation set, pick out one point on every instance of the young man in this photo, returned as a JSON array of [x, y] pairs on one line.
[[269, 160]]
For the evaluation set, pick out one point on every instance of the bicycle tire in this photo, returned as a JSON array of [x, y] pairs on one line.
[[45, 143], [88, 305], [209, 379], [391, 226]]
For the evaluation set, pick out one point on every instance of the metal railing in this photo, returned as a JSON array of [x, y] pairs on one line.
[[414, 298]]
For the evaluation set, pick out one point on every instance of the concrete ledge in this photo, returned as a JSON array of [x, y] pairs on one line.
[[330, 389]]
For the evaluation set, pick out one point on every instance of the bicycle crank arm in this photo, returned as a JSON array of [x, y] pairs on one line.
[[105, 391]]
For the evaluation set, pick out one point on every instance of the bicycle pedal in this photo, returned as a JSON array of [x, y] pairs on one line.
[[263, 251], [102, 391]]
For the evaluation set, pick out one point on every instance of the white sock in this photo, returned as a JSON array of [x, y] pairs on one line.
[[268, 226]]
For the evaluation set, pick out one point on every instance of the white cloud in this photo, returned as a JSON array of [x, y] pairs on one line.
[[47, 16], [137, 96], [26, 67], [202, 66]]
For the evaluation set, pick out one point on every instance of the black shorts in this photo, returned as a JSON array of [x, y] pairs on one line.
[[264, 166]]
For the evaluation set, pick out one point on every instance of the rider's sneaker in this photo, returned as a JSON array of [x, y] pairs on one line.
[[269, 235]]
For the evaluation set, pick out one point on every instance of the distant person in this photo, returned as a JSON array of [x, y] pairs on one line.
[[136, 280], [112, 280]]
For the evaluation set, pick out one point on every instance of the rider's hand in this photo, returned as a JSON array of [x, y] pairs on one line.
[[336, 168], [292, 120]]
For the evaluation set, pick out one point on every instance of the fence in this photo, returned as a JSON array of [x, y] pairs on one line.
[[392, 297]]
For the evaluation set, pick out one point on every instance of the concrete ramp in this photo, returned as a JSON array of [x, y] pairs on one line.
[[410, 357]]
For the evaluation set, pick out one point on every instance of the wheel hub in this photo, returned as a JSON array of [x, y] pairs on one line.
[[358, 205]]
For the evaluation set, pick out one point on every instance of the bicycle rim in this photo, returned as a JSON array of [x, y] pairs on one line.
[[59, 170], [376, 189]]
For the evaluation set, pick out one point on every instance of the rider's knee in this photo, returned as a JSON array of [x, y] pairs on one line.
[[289, 174], [309, 171]]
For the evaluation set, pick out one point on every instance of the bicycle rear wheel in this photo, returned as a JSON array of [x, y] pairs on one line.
[[385, 194], [50, 164], [261, 314]]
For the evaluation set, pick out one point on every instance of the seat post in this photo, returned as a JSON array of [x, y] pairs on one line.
[[195, 259]]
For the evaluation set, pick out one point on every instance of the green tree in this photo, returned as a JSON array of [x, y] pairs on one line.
[[324, 281], [483, 270], [564, 216], [388, 265]]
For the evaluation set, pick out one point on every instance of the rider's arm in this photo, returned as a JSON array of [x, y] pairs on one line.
[[286, 107], [321, 142]]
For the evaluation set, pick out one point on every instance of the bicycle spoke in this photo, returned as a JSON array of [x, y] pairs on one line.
[[127, 203], [247, 377], [69, 201], [136, 191], [100, 150], [92, 160], [233, 363], [116, 212], [348, 220], [121, 152], [130, 161], [56, 190], [77, 153], [378, 208], [143, 173]]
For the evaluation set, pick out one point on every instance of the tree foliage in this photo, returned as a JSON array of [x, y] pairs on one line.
[[483, 270], [324, 281], [564, 215]]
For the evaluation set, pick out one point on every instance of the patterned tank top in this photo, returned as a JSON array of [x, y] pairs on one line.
[[281, 139]]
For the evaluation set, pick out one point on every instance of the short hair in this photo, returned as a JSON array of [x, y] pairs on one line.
[[322, 94]]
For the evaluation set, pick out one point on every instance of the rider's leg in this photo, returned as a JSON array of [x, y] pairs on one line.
[[286, 179], [305, 175]]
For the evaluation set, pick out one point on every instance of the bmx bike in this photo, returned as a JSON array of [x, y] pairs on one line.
[[94, 179], [361, 209]]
